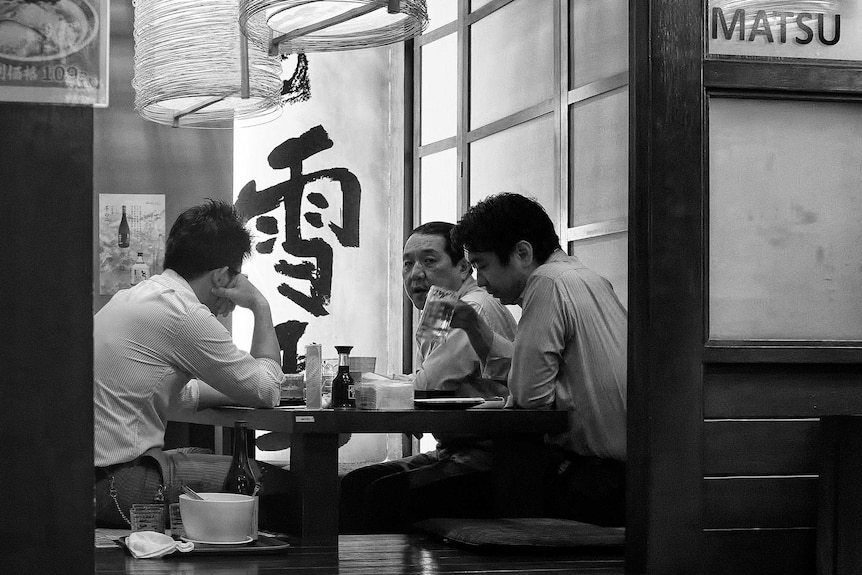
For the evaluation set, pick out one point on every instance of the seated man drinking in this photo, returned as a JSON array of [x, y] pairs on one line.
[[389, 496]]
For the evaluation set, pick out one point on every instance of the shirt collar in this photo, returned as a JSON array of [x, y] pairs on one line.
[[171, 279], [468, 286]]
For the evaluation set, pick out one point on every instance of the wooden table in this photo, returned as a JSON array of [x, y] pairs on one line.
[[314, 445]]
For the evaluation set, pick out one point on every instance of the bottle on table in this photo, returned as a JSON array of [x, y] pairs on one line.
[[343, 394], [240, 477], [123, 232], [140, 270]]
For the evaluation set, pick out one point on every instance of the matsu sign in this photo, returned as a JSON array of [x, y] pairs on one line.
[[812, 29]]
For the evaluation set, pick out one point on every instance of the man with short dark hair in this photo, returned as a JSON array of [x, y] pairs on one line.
[[155, 345], [569, 352], [389, 496]]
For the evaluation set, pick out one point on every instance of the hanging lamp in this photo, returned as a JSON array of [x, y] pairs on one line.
[[195, 68], [300, 26]]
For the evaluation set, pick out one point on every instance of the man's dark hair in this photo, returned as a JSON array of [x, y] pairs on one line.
[[206, 237], [500, 221], [454, 249]]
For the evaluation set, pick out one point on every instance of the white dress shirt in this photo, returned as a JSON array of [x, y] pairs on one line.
[[150, 341]]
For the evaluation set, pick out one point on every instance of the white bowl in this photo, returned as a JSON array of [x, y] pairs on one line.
[[219, 518]]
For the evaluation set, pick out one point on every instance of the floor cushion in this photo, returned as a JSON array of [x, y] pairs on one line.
[[523, 532]]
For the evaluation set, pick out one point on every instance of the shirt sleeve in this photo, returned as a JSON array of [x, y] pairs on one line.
[[205, 349], [190, 395], [448, 364], [499, 359], [537, 354]]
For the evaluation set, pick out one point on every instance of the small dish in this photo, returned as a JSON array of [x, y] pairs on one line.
[[448, 402], [243, 542]]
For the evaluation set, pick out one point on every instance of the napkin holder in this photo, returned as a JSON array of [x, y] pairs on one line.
[[384, 395]]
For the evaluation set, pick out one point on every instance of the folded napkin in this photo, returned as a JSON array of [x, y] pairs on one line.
[[152, 545]]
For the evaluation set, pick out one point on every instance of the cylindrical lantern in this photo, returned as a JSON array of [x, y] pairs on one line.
[[327, 25], [195, 68]]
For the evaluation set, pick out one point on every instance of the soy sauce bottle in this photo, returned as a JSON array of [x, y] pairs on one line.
[[342, 384]]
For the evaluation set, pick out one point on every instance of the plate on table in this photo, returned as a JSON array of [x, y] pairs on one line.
[[263, 544], [195, 541], [448, 402]]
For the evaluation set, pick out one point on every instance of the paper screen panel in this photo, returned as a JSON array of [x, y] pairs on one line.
[[439, 107], [598, 140], [785, 220], [520, 159], [439, 201], [598, 40], [511, 60]]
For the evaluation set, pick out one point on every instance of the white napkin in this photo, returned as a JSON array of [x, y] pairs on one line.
[[152, 545]]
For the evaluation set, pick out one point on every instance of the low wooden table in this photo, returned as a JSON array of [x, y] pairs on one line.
[[314, 445]]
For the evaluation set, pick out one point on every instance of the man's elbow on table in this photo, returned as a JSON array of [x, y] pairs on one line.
[[210, 397], [524, 400]]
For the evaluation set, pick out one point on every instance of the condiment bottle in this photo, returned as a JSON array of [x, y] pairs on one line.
[[342, 385]]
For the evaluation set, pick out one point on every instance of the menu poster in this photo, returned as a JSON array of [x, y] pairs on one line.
[[54, 51], [129, 224]]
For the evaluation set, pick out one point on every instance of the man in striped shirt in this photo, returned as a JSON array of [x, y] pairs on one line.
[[569, 352], [155, 345]]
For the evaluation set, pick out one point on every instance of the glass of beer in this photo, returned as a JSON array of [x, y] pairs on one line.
[[437, 314]]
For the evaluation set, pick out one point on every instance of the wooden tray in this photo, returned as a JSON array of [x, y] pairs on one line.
[[263, 544]]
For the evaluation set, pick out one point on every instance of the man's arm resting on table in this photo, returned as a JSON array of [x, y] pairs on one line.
[[211, 397]]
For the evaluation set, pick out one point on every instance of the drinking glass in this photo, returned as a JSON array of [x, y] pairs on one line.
[[437, 314]]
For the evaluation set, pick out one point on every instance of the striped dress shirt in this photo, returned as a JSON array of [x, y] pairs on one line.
[[570, 353], [150, 341]]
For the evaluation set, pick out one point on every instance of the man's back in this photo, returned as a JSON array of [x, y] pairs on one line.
[[149, 341], [570, 353]]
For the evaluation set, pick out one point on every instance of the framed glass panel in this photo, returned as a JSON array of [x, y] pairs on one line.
[[520, 159], [785, 220], [598, 40], [598, 143], [439, 199], [512, 60], [608, 257], [439, 97], [441, 12]]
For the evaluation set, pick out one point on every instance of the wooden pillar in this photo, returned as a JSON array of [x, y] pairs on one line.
[[46, 321]]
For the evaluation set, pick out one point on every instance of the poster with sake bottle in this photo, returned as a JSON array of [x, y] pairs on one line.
[[131, 239]]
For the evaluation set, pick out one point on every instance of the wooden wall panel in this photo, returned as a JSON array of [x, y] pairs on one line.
[[839, 518], [760, 447], [781, 390], [763, 552], [758, 502]]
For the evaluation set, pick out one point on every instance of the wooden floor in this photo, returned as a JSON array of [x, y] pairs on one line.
[[372, 555]]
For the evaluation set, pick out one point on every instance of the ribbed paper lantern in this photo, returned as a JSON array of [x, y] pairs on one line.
[[328, 25], [195, 68]]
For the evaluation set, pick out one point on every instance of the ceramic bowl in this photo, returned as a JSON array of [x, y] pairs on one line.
[[219, 518]]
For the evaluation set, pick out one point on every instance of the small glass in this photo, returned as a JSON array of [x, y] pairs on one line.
[[437, 314], [329, 367]]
